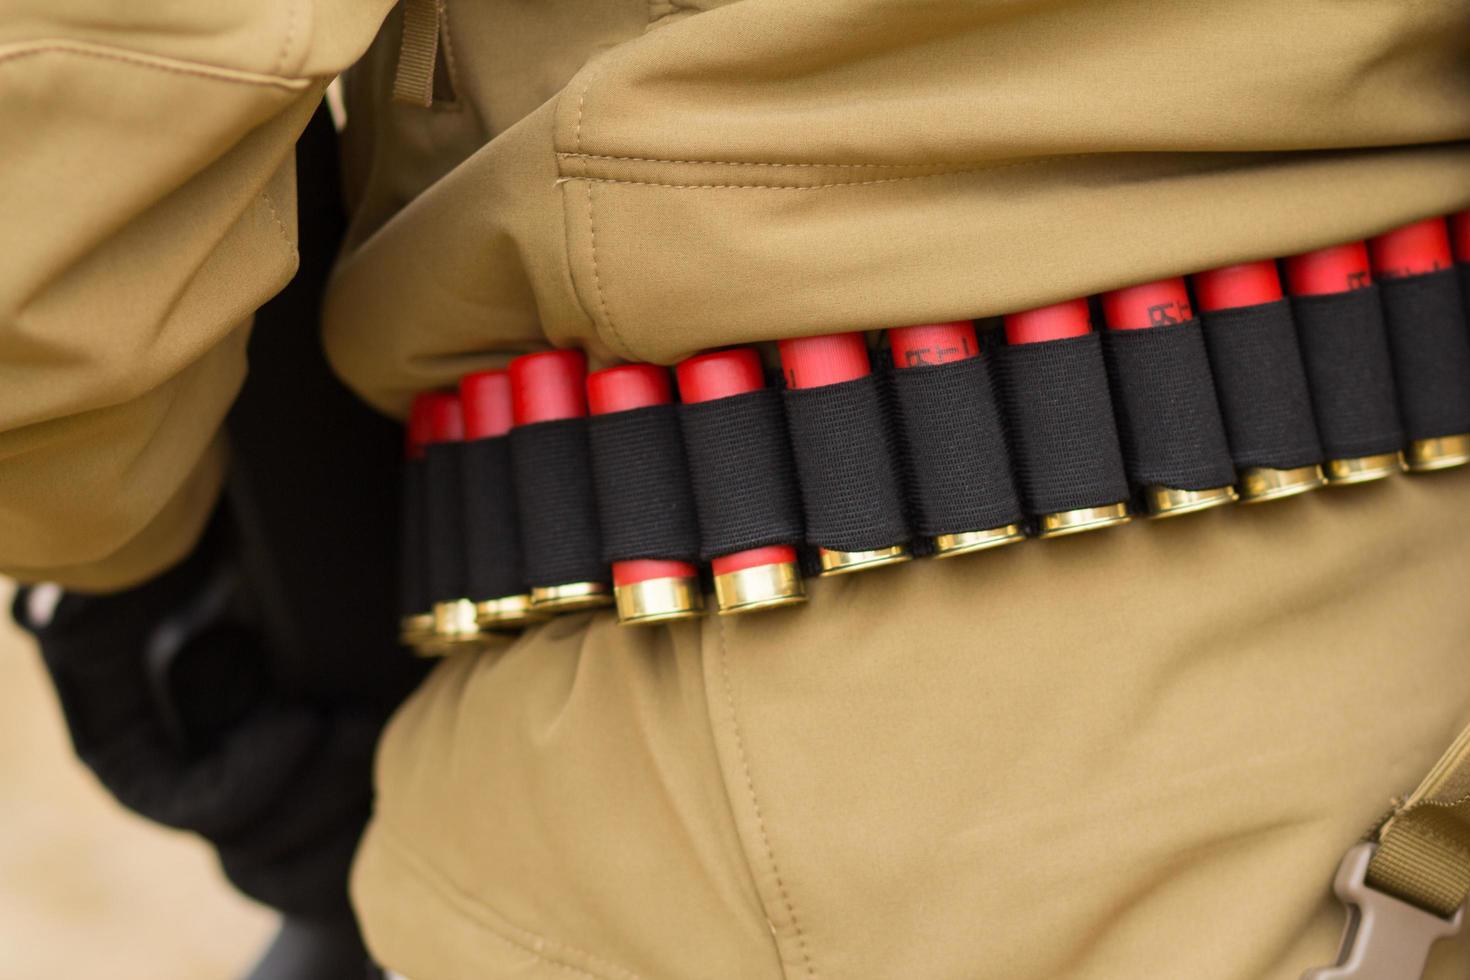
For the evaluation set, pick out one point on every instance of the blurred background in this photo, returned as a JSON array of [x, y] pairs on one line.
[[86, 888]]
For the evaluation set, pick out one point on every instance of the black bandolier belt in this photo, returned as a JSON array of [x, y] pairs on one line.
[[543, 489]]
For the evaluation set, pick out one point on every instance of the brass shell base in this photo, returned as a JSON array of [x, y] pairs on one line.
[[969, 542], [1363, 469], [506, 613], [759, 587], [1084, 519], [571, 597], [845, 562], [1442, 453], [1259, 484], [416, 629], [658, 600], [455, 630], [1165, 502]]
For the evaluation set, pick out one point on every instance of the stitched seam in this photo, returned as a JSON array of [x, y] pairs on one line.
[[216, 75], [525, 940], [290, 36], [597, 279], [1016, 165], [451, 66], [276, 216], [768, 163], [755, 805]]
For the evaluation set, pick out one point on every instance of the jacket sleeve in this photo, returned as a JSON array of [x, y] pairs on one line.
[[769, 169], [147, 208]]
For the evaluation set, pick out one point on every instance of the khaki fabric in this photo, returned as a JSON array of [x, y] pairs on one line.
[[1139, 754]]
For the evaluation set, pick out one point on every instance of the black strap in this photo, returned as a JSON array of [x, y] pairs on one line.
[[560, 538], [1168, 417], [1060, 417], [1345, 351], [493, 563], [444, 571], [644, 498], [1262, 386], [846, 460], [742, 474], [956, 465], [1431, 353]]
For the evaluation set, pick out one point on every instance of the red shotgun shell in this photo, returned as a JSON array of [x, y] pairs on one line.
[[815, 362], [942, 343], [1412, 250], [1234, 286], [646, 590], [757, 578], [1460, 235], [1152, 304], [1327, 272], [1060, 321], [486, 399], [551, 386], [1335, 269]]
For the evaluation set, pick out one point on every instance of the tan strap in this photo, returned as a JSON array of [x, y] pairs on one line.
[[1423, 854], [418, 53]]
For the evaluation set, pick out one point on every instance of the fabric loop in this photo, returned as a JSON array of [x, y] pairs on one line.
[[1345, 351], [560, 537], [1430, 342], [444, 571], [493, 561], [644, 498]]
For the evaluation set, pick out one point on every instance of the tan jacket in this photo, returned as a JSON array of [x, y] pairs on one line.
[[1136, 756]]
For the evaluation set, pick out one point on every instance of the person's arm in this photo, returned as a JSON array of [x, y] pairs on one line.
[[147, 208]]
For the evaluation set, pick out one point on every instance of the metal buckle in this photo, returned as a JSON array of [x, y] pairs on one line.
[[1386, 938]]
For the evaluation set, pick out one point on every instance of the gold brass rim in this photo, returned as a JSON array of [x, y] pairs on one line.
[[845, 562], [1440, 453], [658, 600], [455, 625], [571, 597], [1259, 484], [1084, 519], [969, 542], [759, 587], [1166, 502], [507, 612], [1363, 469], [415, 629]]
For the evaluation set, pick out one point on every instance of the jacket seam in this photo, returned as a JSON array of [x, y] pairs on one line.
[[290, 37], [673, 185], [526, 941], [171, 66], [760, 822], [773, 163]]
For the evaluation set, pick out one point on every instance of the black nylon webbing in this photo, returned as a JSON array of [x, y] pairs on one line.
[[493, 564], [1430, 342], [846, 460], [742, 474], [644, 499], [1262, 386], [1168, 417], [1060, 417], [1345, 351], [413, 593], [552, 469], [957, 469], [443, 522]]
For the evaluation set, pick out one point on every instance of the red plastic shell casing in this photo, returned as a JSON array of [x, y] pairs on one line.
[[445, 418], [811, 362], [485, 398], [420, 429], [1460, 235], [1412, 250], [1152, 304], [1233, 286], [1059, 321], [1336, 269], [548, 386], [724, 374], [622, 389], [932, 343]]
